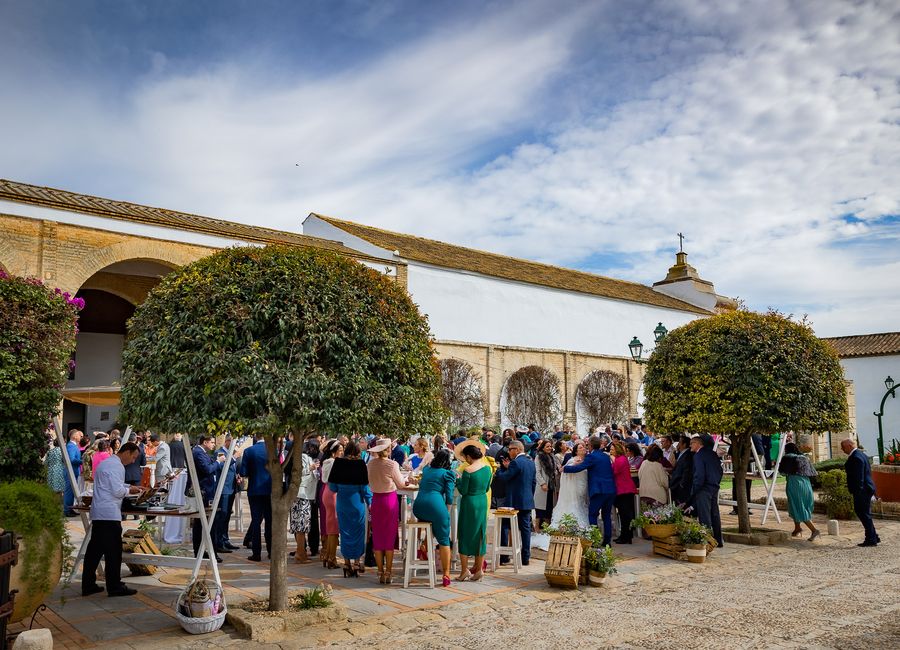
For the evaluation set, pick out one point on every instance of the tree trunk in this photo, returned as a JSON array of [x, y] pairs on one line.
[[740, 458], [281, 508]]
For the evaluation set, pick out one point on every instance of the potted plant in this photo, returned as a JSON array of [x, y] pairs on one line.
[[661, 521], [694, 537], [32, 511], [568, 527], [887, 474], [601, 562]]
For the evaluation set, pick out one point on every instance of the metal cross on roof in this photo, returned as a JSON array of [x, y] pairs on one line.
[[680, 243]]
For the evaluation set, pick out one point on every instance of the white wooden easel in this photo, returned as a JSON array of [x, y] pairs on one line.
[[769, 479]]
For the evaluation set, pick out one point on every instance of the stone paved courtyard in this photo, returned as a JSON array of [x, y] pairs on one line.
[[827, 595]]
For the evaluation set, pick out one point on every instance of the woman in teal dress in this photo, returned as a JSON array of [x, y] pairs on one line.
[[798, 469], [472, 528], [435, 494], [350, 480]]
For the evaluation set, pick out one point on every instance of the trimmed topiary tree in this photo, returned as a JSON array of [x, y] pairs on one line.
[[275, 340], [741, 373], [37, 338]]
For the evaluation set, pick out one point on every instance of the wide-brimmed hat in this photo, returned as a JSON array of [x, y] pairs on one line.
[[457, 451], [379, 445]]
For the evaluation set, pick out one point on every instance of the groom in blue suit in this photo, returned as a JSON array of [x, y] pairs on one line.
[[601, 486], [518, 474]]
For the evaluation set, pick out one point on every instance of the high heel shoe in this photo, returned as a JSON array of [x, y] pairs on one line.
[[359, 567], [815, 535], [349, 572], [464, 578], [475, 577], [388, 578], [381, 578], [445, 582]]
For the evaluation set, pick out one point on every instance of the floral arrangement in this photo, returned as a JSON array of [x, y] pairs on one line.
[[567, 526], [667, 514], [601, 560], [692, 531], [892, 454]]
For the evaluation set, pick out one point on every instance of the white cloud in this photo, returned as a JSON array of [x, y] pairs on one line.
[[752, 128]]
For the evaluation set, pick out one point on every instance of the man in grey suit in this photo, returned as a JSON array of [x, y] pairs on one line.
[[163, 458]]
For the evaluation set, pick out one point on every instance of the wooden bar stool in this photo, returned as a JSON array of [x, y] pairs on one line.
[[515, 540], [411, 561]]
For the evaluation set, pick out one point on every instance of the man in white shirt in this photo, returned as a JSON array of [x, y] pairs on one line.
[[106, 523]]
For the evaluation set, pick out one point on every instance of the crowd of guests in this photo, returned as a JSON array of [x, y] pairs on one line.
[[347, 503]]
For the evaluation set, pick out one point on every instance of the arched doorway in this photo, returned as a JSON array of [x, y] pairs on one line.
[[110, 298], [601, 398]]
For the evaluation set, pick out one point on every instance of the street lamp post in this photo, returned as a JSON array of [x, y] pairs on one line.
[[892, 391], [637, 348]]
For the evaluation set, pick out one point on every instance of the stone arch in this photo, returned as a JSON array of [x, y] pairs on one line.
[[166, 253], [600, 390], [540, 399], [463, 394]]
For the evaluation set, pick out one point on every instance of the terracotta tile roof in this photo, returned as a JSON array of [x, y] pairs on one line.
[[63, 200], [510, 268], [866, 345]]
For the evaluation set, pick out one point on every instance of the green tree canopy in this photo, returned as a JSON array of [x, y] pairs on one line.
[[741, 373], [37, 338], [278, 339]]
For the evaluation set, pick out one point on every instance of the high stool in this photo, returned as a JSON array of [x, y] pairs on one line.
[[515, 548], [411, 562]]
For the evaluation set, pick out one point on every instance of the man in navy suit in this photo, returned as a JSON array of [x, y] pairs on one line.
[[601, 486], [518, 474], [259, 494], [861, 486], [207, 471], [705, 486]]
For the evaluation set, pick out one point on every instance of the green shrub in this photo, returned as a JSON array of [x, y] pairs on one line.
[[37, 338], [825, 466], [837, 498]]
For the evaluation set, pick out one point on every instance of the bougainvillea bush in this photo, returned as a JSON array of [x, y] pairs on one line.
[[37, 337]]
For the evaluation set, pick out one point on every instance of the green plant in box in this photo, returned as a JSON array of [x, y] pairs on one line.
[[601, 560], [567, 526], [691, 531]]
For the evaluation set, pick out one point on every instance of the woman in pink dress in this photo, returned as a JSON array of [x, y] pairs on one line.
[[384, 479], [625, 491]]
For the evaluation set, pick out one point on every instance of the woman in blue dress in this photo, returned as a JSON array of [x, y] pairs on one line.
[[798, 469], [431, 504], [350, 480]]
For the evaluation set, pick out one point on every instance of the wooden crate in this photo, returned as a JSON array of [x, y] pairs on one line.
[[672, 547], [563, 565], [137, 541]]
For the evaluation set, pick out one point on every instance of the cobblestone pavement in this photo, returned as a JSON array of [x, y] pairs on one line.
[[830, 594]]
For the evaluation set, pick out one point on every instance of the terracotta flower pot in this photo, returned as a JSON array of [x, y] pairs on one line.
[[887, 482], [29, 599]]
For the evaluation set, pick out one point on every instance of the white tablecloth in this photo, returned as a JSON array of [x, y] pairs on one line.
[[175, 527]]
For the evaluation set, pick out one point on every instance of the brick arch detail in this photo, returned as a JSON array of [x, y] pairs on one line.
[[166, 253]]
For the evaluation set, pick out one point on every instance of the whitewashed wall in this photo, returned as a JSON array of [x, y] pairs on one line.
[[867, 375], [479, 309]]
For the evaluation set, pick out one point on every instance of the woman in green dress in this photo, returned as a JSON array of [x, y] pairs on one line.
[[472, 528], [798, 469]]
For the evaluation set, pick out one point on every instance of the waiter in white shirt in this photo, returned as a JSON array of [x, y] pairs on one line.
[[106, 524]]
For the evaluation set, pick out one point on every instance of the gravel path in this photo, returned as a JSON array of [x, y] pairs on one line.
[[832, 595]]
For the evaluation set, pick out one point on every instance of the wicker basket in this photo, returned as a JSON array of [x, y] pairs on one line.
[[660, 531], [199, 598], [201, 625]]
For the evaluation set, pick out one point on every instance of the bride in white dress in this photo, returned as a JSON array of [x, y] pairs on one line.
[[573, 490], [573, 498]]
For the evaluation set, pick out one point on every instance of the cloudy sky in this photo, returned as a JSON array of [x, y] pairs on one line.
[[585, 134]]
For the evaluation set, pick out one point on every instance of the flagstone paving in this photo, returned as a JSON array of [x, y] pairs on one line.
[[827, 594]]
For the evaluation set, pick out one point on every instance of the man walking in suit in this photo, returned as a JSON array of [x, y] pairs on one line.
[[705, 487], [861, 486], [259, 494], [601, 486], [518, 474]]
